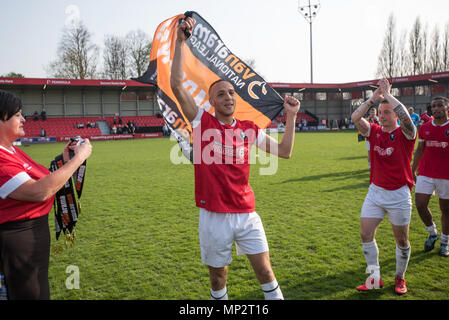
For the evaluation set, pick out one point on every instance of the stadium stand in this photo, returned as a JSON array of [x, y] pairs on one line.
[[69, 102], [63, 128]]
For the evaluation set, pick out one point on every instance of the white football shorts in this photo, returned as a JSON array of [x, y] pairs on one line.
[[218, 231], [397, 203], [428, 185]]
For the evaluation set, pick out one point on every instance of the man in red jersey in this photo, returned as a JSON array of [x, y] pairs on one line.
[[391, 181], [426, 116], [432, 161], [221, 146]]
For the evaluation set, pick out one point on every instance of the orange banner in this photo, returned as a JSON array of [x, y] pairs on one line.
[[206, 60]]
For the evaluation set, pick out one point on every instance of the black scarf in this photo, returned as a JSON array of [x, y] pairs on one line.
[[66, 205]]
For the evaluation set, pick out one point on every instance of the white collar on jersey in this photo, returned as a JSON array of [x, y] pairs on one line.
[[13, 151], [435, 125], [222, 123]]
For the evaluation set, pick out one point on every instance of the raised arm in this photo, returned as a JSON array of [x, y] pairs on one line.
[[407, 126], [185, 100], [285, 147], [357, 116]]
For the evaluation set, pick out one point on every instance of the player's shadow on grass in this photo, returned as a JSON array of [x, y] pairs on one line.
[[333, 175], [353, 158], [311, 287], [349, 187]]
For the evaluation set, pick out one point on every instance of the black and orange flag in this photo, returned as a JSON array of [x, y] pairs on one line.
[[206, 60]]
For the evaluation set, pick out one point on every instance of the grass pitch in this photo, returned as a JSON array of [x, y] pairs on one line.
[[137, 234]]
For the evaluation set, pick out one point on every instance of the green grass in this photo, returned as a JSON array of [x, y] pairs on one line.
[[137, 236]]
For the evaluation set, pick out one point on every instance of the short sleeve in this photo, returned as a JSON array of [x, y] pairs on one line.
[[370, 129], [11, 177], [261, 135], [195, 122]]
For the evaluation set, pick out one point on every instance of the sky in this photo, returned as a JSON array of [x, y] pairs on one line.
[[347, 34]]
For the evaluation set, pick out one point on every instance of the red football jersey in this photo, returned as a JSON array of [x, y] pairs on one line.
[[424, 118], [435, 160], [390, 157], [15, 169], [222, 166]]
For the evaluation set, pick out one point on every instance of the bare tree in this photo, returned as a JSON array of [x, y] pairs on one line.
[[139, 46], [115, 58], [389, 57], [76, 56], [425, 44], [435, 51], [445, 48], [403, 56], [416, 48]]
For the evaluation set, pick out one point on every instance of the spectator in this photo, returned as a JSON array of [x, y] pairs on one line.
[[414, 116], [131, 128], [44, 115], [114, 129], [165, 130], [43, 133], [35, 116], [426, 116]]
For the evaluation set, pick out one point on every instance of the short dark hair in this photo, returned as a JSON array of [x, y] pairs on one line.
[[215, 82], [446, 100], [9, 105]]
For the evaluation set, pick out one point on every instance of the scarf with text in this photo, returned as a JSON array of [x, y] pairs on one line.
[[67, 205], [206, 60]]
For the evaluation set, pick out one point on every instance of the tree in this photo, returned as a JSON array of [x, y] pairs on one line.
[[445, 49], [416, 48], [139, 46], [435, 51], [115, 58], [13, 75], [425, 44], [389, 58], [76, 56], [403, 56]]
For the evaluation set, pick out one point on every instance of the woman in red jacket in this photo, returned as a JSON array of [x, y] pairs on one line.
[[27, 192]]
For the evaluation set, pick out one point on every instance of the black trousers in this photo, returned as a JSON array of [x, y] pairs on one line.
[[24, 256]]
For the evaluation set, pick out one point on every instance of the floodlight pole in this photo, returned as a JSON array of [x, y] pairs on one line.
[[309, 12]]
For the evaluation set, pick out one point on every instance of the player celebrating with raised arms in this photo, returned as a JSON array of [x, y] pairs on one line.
[[222, 191], [391, 181], [432, 161]]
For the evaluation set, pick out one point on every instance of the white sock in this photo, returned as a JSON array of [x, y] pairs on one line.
[[432, 230], [444, 239], [402, 258], [272, 291], [371, 253], [219, 294]]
